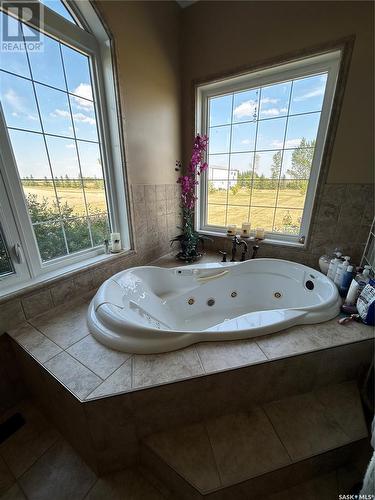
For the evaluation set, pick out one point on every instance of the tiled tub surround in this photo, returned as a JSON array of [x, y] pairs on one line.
[[61, 342], [342, 218], [155, 215]]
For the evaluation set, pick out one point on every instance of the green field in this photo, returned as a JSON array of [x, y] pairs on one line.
[[290, 204]]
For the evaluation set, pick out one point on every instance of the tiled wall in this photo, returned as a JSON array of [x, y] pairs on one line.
[[155, 214], [342, 218]]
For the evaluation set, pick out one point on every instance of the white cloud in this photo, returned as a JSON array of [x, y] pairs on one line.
[[268, 100], [313, 93], [273, 111], [17, 103], [79, 117], [291, 143], [245, 141], [70, 146], [245, 109], [85, 92]]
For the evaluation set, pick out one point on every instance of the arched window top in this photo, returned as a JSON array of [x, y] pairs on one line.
[[59, 7]]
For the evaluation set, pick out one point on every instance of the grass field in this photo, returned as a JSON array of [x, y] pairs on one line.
[[290, 204], [95, 197]]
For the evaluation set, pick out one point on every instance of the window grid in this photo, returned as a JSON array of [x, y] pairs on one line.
[[88, 216], [254, 152]]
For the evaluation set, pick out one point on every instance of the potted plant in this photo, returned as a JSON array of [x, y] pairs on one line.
[[191, 242]]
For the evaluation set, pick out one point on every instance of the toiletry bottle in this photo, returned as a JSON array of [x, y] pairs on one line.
[[340, 271], [333, 265], [346, 281], [357, 285]]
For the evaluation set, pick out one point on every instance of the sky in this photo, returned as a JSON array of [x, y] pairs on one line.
[[65, 107], [234, 132]]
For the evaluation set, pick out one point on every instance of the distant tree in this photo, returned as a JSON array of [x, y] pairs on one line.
[[275, 169], [302, 158]]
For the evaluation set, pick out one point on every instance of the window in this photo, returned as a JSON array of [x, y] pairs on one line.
[[266, 136], [60, 163]]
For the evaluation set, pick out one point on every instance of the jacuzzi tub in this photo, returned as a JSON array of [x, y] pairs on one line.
[[148, 309]]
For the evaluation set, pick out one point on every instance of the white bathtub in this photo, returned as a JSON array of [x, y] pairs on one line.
[[148, 310]]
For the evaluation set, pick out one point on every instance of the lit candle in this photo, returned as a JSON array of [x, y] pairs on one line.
[[246, 226], [115, 242], [232, 230], [259, 233]]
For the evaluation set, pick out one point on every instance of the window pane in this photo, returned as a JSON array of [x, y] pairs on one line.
[[292, 194], [35, 174], [68, 182], [243, 137], [218, 167], [238, 194], [219, 139], [13, 60], [297, 163], [84, 118], [6, 266], [237, 215], [220, 110], [308, 94], [262, 217], [99, 229], [241, 164], [77, 234], [77, 72], [218, 192], [50, 238], [216, 215], [93, 179], [46, 64], [264, 192], [288, 221], [271, 134], [303, 127], [275, 100], [245, 106], [268, 164], [54, 110], [18, 101], [58, 7]]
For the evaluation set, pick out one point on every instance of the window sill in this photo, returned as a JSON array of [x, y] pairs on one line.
[[267, 241], [12, 291]]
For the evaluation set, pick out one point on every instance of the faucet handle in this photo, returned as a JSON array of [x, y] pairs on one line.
[[224, 254]]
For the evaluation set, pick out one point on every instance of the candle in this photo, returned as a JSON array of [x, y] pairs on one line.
[[115, 242], [232, 230], [246, 226], [259, 233]]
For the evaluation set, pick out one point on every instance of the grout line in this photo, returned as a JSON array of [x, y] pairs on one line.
[[213, 454], [277, 434], [199, 358], [59, 437], [267, 357]]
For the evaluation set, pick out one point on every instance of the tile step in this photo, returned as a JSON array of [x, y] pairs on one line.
[[262, 449]]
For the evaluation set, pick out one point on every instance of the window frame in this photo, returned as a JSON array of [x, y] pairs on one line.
[[96, 43], [328, 61]]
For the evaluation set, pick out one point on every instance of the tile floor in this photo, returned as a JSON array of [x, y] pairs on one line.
[[226, 450], [36, 463], [61, 342]]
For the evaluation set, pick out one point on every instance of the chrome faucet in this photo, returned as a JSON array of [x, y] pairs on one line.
[[235, 243]]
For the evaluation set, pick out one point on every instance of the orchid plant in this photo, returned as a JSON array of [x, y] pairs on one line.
[[190, 239]]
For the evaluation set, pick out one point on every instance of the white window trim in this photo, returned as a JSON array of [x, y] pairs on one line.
[[326, 62], [96, 44]]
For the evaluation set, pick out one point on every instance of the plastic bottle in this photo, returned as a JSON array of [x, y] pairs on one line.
[[333, 265], [340, 271], [357, 285], [346, 281]]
